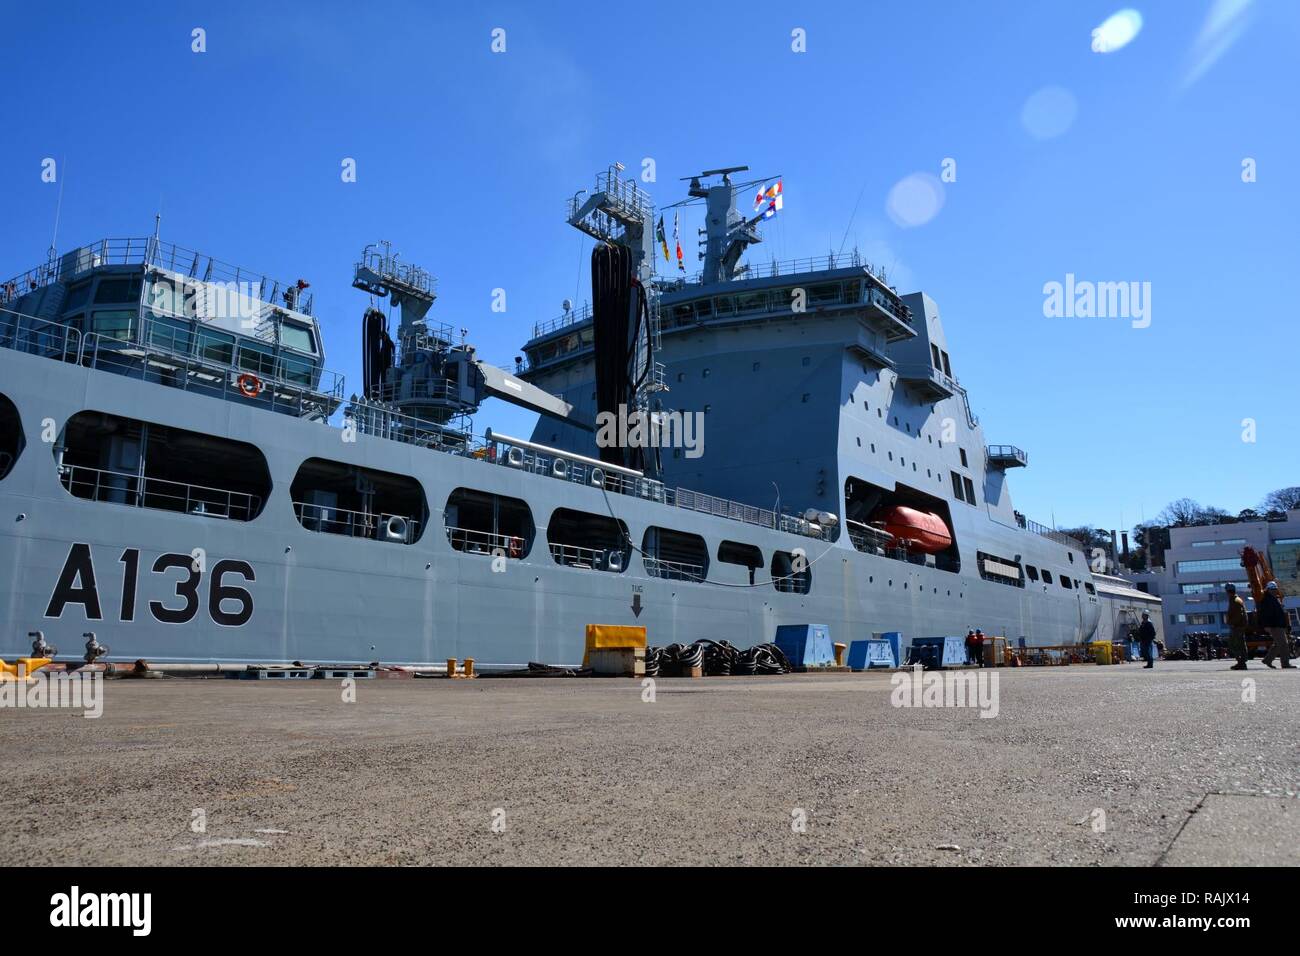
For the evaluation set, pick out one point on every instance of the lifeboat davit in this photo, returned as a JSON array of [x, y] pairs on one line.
[[917, 530]]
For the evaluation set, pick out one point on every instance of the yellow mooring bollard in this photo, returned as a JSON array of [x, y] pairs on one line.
[[451, 667]]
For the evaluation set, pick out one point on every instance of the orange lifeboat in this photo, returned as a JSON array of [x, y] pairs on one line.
[[917, 530]]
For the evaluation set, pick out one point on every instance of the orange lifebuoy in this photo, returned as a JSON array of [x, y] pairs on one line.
[[516, 547], [250, 385]]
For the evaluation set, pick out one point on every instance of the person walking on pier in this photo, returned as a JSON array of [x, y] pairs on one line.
[[1272, 617], [1236, 620], [1147, 640], [974, 649]]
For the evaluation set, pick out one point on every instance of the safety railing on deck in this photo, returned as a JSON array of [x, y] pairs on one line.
[[26, 333], [591, 559], [673, 570], [370, 419], [400, 529], [151, 251], [572, 317], [1047, 532], [486, 542], [143, 491], [263, 381]]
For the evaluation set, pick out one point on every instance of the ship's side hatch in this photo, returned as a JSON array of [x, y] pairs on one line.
[[487, 524], [678, 555], [332, 497], [902, 523], [746, 555], [126, 461], [589, 542]]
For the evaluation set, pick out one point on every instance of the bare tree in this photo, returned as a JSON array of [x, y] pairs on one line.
[[1284, 499], [1180, 514]]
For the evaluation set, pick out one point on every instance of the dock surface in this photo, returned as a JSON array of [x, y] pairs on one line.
[[1083, 765]]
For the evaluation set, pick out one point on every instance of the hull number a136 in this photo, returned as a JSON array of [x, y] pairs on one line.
[[228, 604]]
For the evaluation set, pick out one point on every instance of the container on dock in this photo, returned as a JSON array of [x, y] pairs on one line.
[[806, 645]]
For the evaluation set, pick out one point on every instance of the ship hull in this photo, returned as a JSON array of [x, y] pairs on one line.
[[328, 598]]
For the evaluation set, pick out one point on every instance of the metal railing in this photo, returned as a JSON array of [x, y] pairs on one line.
[[143, 491], [326, 519], [165, 355], [787, 267], [370, 419], [971, 418], [591, 559], [155, 252], [266, 384], [1010, 452], [486, 542], [795, 583], [26, 333], [428, 390], [1047, 532], [926, 372], [572, 317], [391, 269], [673, 570]]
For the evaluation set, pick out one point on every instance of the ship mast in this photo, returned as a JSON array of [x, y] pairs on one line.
[[620, 215]]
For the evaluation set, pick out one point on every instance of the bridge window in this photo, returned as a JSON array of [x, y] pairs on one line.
[[791, 572], [216, 346], [1047, 576], [674, 554], [78, 295], [332, 497], [117, 324], [1065, 583], [297, 337], [118, 290], [257, 357], [12, 440], [129, 462], [487, 524], [746, 555], [171, 335], [588, 541], [970, 490], [1032, 572]]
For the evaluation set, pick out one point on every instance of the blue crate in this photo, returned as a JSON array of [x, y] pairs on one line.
[[864, 655], [940, 651], [806, 645]]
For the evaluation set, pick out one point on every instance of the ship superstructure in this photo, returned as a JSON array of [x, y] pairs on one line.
[[180, 473]]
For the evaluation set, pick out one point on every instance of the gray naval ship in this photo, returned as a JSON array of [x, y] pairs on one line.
[[715, 456]]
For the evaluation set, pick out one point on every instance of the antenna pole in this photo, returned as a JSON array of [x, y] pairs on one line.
[[58, 210]]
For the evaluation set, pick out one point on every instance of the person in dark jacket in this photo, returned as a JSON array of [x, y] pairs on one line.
[[974, 649], [1237, 621], [1272, 617], [1147, 640]]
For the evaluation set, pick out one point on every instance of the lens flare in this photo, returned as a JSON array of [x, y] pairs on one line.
[[1049, 112], [915, 200], [1117, 32]]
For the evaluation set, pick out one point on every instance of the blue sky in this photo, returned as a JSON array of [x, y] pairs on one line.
[[465, 157]]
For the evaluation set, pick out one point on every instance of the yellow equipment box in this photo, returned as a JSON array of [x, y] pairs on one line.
[[28, 665], [609, 636]]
